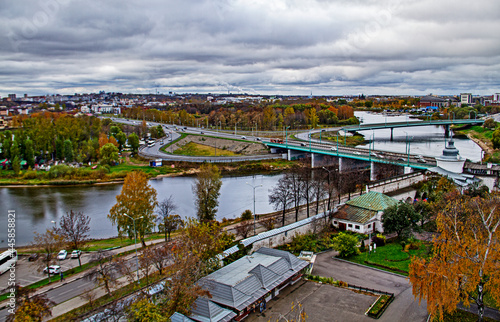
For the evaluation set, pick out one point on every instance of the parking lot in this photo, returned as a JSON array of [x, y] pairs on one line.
[[328, 303]]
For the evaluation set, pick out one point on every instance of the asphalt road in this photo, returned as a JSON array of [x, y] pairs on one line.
[[404, 308]]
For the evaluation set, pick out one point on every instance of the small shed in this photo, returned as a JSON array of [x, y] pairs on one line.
[[363, 214]]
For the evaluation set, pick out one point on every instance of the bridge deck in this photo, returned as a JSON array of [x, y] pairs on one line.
[[378, 126]]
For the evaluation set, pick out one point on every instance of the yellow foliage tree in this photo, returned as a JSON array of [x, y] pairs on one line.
[[137, 200], [466, 256]]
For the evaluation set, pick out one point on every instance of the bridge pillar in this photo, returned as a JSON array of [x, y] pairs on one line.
[[447, 131], [373, 174], [392, 129], [288, 155], [312, 160], [340, 164]]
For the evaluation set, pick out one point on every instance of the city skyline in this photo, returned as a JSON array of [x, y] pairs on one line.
[[270, 48]]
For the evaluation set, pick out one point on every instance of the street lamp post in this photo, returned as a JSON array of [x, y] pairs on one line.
[[135, 244], [254, 215], [286, 135]]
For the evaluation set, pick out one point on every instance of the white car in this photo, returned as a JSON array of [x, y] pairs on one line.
[[62, 255], [76, 253], [53, 269]]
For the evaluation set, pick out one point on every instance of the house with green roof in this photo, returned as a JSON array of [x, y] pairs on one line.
[[363, 214]]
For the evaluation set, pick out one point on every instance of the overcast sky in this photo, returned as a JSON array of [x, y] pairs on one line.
[[327, 47]]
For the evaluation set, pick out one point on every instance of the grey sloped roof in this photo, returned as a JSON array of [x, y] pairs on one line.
[[289, 257], [227, 295], [266, 276], [206, 311], [177, 317], [244, 281]]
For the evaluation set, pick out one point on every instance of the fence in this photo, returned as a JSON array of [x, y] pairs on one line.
[[368, 290]]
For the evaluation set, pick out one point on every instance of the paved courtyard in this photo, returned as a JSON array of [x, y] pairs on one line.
[[328, 303]]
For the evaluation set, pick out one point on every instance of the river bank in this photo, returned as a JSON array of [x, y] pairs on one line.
[[118, 173]]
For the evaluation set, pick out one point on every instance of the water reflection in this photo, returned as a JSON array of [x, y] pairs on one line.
[[36, 207]]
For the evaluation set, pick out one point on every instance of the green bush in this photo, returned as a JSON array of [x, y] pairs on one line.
[[345, 244], [246, 215]]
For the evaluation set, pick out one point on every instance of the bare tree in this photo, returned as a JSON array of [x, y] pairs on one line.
[[243, 229], [104, 273], [296, 185], [304, 172], [146, 262], [50, 242], [162, 256], [268, 222], [75, 228], [123, 266], [281, 196], [90, 296], [317, 185], [170, 222]]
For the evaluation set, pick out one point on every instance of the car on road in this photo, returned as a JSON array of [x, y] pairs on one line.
[[257, 139], [76, 253], [62, 255], [244, 137], [334, 148], [53, 269], [33, 257], [303, 144]]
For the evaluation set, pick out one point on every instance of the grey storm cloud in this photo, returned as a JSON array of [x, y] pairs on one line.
[[256, 46]]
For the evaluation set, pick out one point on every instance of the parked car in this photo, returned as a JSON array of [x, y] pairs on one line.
[[62, 255], [53, 269], [76, 253], [33, 257]]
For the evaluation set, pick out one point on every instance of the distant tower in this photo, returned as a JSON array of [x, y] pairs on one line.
[[451, 160]]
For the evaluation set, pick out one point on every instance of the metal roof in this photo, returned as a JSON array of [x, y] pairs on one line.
[[355, 214], [205, 310], [177, 317], [372, 200], [244, 281]]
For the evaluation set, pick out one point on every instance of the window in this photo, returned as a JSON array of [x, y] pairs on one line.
[[349, 225], [369, 226], [334, 222], [356, 227]]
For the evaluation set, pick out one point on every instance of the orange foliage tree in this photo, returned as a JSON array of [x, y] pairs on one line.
[[137, 200], [466, 256]]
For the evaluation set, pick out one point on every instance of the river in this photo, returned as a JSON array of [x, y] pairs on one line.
[[423, 140], [37, 207]]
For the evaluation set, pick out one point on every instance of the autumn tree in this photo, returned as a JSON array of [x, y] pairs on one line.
[[49, 243], [166, 216], [104, 272], [193, 257], [207, 190], [143, 310], [465, 264], [137, 200], [75, 229], [30, 307]]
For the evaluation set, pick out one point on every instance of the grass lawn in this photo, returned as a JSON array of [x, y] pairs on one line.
[[196, 149], [332, 138], [390, 257]]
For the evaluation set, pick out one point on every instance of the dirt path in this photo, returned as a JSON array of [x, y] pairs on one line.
[[486, 148]]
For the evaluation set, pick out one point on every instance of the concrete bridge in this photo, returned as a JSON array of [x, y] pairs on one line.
[[378, 126], [322, 154]]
